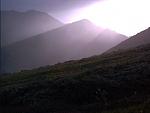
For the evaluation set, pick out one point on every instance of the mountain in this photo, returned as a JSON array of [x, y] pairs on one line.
[[118, 82], [69, 42], [16, 26], [104, 41], [137, 40]]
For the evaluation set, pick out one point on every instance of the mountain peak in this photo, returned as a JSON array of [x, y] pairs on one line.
[[29, 23], [35, 12], [32, 10], [84, 21]]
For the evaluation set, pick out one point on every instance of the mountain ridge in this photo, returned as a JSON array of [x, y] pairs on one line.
[[109, 83], [16, 26], [134, 41], [68, 42]]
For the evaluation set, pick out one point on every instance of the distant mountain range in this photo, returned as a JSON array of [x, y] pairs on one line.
[[104, 41], [69, 42], [16, 26], [115, 82]]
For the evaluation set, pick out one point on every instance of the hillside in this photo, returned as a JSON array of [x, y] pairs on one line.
[[112, 83], [69, 42], [16, 26], [104, 41], [137, 40]]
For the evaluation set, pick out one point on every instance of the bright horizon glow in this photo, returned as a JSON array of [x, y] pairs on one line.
[[127, 17]]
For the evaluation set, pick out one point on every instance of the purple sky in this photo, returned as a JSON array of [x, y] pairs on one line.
[[60, 9], [127, 16], [45, 5]]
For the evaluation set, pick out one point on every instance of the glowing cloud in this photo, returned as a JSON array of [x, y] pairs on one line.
[[124, 16]]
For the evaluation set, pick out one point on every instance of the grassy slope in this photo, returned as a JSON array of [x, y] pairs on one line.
[[113, 83]]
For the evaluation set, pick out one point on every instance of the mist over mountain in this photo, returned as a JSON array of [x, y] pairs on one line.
[[104, 41], [75, 56], [16, 26], [72, 41], [134, 41], [116, 82]]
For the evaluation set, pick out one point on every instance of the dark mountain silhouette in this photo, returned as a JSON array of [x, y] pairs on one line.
[[118, 82], [16, 26], [137, 40], [72, 41]]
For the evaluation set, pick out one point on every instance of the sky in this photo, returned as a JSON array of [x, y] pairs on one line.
[[46, 5], [127, 17]]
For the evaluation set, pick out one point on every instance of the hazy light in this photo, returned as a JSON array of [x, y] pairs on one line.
[[124, 16]]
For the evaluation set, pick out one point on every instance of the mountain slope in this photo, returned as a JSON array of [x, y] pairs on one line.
[[137, 40], [16, 26], [104, 41], [117, 82], [68, 42]]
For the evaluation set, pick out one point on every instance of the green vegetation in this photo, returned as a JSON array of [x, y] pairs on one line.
[[117, 82]]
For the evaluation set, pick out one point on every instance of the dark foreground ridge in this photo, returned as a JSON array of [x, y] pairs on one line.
[[117, 82]]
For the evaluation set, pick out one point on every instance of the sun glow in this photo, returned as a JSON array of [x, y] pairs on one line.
[[124, 16]]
